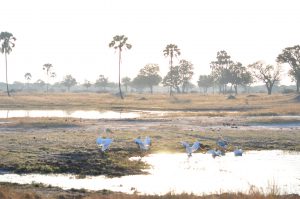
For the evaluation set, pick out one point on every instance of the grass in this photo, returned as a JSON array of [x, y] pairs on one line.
[[38, 191], [260, 104], [58, 145]]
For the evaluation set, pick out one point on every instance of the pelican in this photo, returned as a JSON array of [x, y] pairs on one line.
[[190, 150], [104, 143], [222, 143], [238, 152], [215, 153], [143, 145]]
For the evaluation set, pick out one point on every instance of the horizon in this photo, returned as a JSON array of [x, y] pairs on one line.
[[73, 36]]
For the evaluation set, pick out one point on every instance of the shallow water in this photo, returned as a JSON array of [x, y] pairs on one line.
[[72, 114], [200, 174]]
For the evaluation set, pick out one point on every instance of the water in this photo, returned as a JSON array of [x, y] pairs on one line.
[[200, 174], [72, 114]]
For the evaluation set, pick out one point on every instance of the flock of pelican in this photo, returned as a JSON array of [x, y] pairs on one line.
[[145, 144]]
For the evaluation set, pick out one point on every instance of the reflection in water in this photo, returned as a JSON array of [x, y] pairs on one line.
[[200, 174], [72, 114]]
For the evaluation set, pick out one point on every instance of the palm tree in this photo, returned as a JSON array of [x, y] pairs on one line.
[[118, 42], [47, 68], [28, 78], [6, 47], [171, 51]]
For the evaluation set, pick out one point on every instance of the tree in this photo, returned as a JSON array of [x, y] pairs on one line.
[[47, 67], [266, 73], [118, 43], [238, 75], [220, 70], [102, 82], [7, 44], [247, 80], [40, 84], [171, 51], [149, 76], [69, 81], [28, 78], [291, 55], [205, 82], [173, 79], [186, 72], [87, 84], [126, 82]]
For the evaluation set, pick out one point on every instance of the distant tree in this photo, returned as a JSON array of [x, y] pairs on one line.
[[138, 83], [247, 80], [291, 55], [102, 82], [48, 67], [7, 43], [40, 84], [220, 70], [205, 82], [171, 51], [27, 78], [69, 81], [266, 73], [87, 84], [186, 72], [237, 75], [126, 82], [149, 76], [118, 43], [188, 86], [173, 79]]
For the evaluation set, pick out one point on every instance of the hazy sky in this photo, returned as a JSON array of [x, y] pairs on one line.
[[73, 35]]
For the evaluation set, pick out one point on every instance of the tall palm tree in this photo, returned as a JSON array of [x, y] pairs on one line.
[[7, 44], [118, 43], [47, 68], [28, 78], [171, 51]]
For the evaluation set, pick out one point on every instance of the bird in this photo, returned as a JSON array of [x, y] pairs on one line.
[[222, 143], [104, 143], [143, 145], [190, 150], [238, 152], [215, 152]]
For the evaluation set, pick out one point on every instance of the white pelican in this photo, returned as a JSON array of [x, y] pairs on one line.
[[190, 149], [144, 145]]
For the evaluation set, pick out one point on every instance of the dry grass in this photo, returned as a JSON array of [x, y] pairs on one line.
[[37, 191], [245, 104]]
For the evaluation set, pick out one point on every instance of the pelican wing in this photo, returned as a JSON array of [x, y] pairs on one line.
[[213, 152], [106, 144], [222, 143], [238, 152], [99, 141], [147, 141], [138, 141], [195, 146], [185, 144]]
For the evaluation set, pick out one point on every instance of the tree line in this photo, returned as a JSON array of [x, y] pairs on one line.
[[226, 74]]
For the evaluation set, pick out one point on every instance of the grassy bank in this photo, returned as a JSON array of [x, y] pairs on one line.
[[61, 145], [38, 191]]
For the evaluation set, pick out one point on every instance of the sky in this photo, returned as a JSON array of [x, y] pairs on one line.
[[73, 35]]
